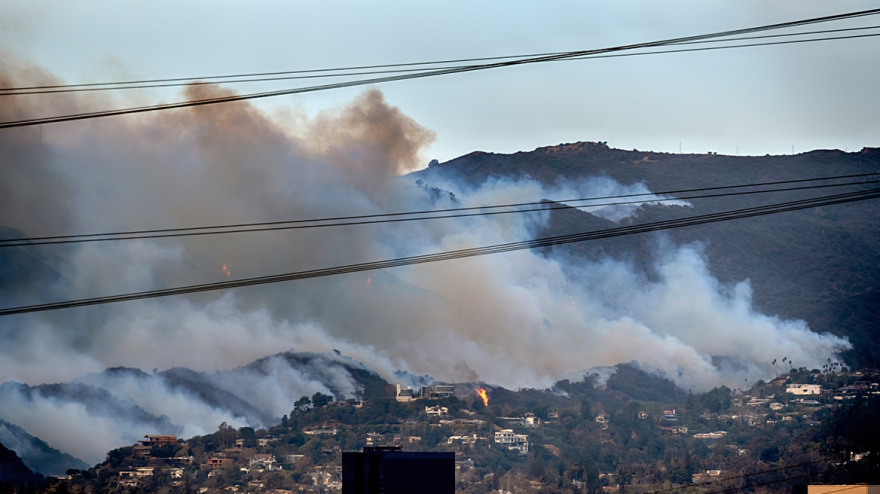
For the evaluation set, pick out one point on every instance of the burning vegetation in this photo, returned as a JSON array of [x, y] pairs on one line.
[[484, 395]]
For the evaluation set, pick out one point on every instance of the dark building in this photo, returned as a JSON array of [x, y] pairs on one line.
[[391, 471]]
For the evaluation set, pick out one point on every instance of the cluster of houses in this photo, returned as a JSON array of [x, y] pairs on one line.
[[775, 409]]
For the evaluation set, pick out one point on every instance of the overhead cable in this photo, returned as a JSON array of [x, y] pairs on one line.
[[432, 73], [386, 68], [462, 253], [448, 213]]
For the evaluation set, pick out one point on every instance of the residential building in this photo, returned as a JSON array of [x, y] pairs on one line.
[[404, 394], [531, 420], [519, 442], [220, 462], [158, 440], [466, 440], [437, 411], [803, 389], [320, 430]]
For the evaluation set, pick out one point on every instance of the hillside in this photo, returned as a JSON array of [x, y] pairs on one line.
[[120, 405], [14, 475], [35, 453], [635, 433], [819, 265]]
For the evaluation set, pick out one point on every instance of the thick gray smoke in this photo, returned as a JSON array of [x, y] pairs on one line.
[[517, 319]]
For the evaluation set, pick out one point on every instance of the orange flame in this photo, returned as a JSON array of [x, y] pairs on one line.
[[484, 395], [226, 271]]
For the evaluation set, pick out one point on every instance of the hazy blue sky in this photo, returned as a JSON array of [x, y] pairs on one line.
[[752, 100]]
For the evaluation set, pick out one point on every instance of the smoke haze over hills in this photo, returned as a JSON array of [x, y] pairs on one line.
[[519, 319]]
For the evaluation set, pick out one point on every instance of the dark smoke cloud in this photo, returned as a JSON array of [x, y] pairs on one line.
[[32, 193], [519, 319]]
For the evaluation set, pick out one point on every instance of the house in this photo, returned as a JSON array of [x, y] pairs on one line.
[[469, 421], [519, 442], [320, 430], [158, 440], [262, 458], [220, 462], [437, 391], [264, 462], [466, 440], [700, 477], [375, 439], [531, 420], [803, 389], [443, 391], [680, 429], [407, 439], [404, 394], [711, 435], [437, 411]]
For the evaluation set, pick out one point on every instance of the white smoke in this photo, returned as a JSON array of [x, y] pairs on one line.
[[516, 319]]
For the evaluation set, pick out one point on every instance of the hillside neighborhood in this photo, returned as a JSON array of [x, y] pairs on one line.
[[577, 437]]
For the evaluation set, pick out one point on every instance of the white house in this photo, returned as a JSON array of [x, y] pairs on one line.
[[803, 389], [519, 442]]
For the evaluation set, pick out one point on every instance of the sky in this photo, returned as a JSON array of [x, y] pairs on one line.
[[521, 319], [749, 101]]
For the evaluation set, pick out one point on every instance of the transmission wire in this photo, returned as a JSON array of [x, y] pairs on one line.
[[545, 205], [431, 73], [462, 253]]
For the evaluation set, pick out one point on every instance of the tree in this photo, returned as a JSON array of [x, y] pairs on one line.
[[226, 434], [319, 400], [717, 400], [301, 405], [249, 435], [275, 481]]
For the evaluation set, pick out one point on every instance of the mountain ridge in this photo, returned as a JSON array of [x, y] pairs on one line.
[[778, 254]]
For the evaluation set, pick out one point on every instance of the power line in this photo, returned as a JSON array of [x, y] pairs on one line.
[[713, 48], [387, 68], [437, 72], [463, 253], [542, 206]]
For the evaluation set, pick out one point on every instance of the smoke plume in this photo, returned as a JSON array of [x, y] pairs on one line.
[[517, 319]]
